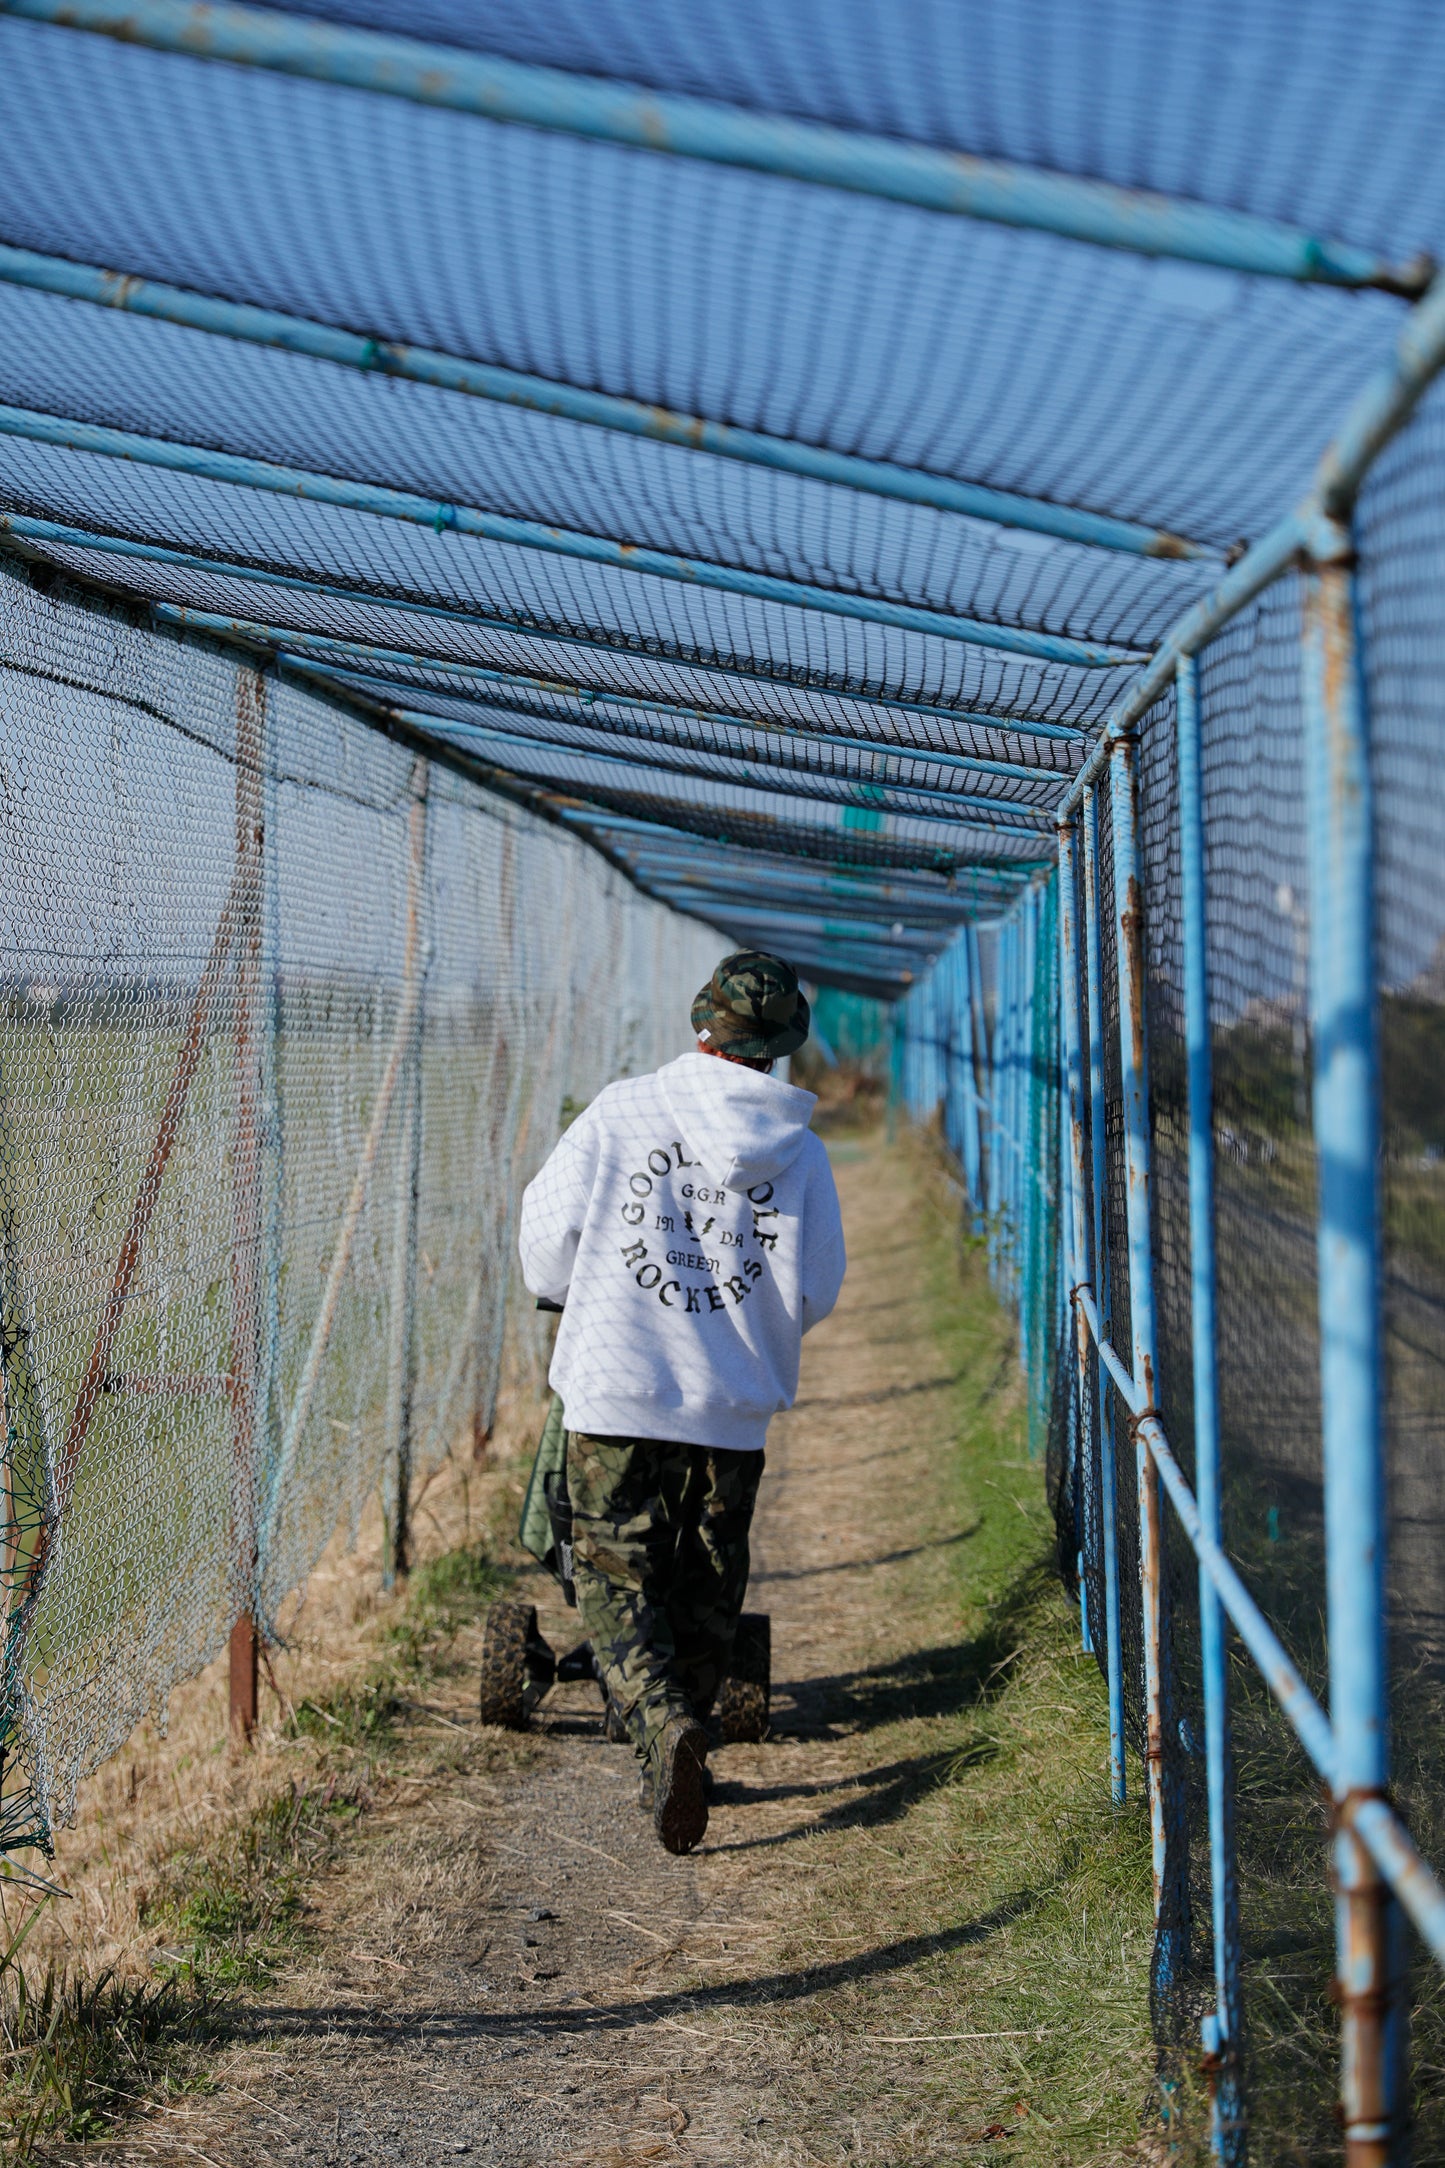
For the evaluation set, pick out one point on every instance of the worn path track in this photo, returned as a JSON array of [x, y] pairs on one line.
[[514, 1971]]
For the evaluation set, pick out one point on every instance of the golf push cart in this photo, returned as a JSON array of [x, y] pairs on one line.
[[519, 1667]]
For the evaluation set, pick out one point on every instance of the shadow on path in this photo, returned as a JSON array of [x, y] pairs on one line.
[[883, 1394], [858, 1565], [436, 2025]]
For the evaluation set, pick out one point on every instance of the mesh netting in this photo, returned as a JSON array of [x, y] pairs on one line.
[[1267, 1294], [271, 978]]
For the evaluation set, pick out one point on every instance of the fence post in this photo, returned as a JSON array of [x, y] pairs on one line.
[[996, 1045], [978, 1074], [963, 1030], [1128, 904], [1011, 1098], [1222, 2029], [1078, 1267], [1024, 1167], [247, 1204], [401, 1351], [1103, 1412], [1345, 1031]]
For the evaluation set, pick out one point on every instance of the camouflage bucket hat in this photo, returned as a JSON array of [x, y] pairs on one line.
[[752, 1006]]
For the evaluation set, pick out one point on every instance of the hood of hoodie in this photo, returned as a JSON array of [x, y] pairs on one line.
[[742, 1127]]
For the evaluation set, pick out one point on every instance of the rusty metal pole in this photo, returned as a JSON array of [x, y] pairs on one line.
[[1344, 1023], [401, 1352], [1103, 1406], [247, 1205], [1133, 1049], [1076, 1225]]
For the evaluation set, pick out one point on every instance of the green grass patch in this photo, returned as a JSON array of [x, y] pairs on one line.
[[234, 1905], [1001, 1909], [1017, 1838]]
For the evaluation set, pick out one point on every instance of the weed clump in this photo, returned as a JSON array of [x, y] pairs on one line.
[[75, 2052], [236, 1909]]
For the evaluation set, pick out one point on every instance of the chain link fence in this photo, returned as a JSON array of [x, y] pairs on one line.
[[290, 1014]]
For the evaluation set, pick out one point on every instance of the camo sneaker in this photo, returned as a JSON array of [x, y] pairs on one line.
[[679, 1808]]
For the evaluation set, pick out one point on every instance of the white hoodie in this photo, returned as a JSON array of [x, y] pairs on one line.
[[689, 1221]]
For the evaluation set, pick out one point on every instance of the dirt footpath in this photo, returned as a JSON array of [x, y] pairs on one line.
[[509, 1969]]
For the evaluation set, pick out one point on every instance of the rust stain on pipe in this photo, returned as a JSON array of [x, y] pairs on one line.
[[1365, 1993]]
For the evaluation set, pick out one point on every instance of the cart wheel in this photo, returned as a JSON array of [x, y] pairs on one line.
[[508, 1638], [743, 1703]]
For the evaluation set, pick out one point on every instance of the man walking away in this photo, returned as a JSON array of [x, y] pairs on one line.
[[689, 1221]]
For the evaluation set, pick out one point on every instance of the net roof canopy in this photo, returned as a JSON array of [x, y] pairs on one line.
[[771, 440]]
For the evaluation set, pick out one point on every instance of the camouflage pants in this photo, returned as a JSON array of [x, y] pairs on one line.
[[660, 1559]]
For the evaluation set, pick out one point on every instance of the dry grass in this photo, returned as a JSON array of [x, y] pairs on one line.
[[192, 1868]]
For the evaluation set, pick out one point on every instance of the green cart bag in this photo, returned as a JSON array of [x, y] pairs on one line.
[[545, 1531]]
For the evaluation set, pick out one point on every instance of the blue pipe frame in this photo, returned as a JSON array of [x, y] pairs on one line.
[[158, 302], [1134, 1075], [250, 631], [753, 769], [1098, 1184], [1344, 1024], [547, 98], [377, 501], [32, 537], [1223, 2027], [321, 651], [770, 781]]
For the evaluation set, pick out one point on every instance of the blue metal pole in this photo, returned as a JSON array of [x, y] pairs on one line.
[[1344, 1020], [946, 970], [629, 761], [771, 775], [1223, 2028], [1080, 1463], [981, 1093], [329, 658], [603, 410], [998, 1041], [546, 98], [912, 912], [1009, 871], [1008, 1158], [1103, 1413], [380, 502], [258, 631], [1025, 1172], [1003, 1082], [917, 1012], [1078, 1270], [993, 1042], [1133, 1052], [963, 948]]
